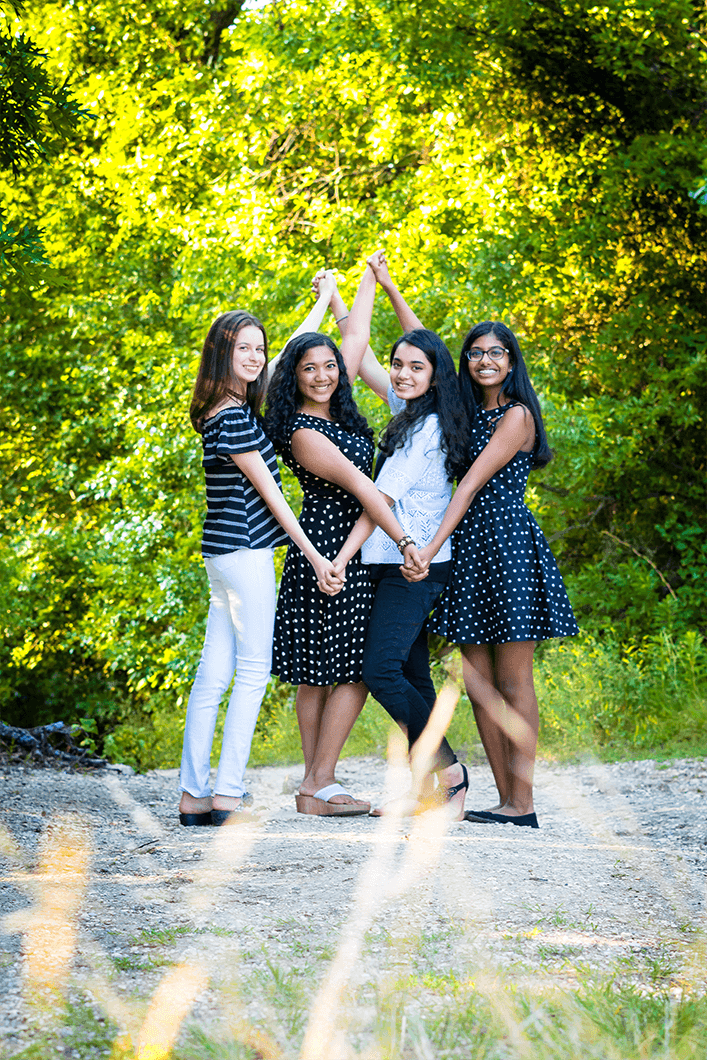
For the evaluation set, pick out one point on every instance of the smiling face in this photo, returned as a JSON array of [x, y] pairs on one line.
[[410, 372], [489, 371], [317, 379], [248, 357]]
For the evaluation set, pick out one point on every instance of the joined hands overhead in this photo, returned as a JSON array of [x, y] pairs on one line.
[[324, 282]]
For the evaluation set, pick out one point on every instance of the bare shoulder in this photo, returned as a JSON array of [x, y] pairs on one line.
[[519, 421], [307, 437], [518, 413], [224, 406]]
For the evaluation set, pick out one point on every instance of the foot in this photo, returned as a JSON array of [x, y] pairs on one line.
[[405, 806], [226, 802], [190, 804], [509, 810], [453, 786], [311, 785]]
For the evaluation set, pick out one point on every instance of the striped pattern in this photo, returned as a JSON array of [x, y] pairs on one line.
[[237, 516]]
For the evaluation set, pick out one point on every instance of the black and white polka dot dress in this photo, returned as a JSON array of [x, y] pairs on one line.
[[318, 638], [505, 585]]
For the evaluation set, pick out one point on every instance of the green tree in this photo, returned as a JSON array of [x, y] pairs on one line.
[[537, 162], [36, 116]]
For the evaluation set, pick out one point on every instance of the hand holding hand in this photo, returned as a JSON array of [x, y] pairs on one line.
[[324, 283], [380, 266], [329, 581], [340, 567], [417, 564]]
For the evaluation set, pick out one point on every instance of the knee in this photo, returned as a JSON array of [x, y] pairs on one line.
[[216, 672], [515, 687], [378, 676], [370, 676]]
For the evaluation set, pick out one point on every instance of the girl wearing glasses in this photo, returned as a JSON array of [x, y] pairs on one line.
[[505, 592]]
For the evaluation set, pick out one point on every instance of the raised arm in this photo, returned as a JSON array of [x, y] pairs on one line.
[[371, 371], [323, 458], [515, 431], [357, 332], [256, 471], [408, 320], [313, 320]]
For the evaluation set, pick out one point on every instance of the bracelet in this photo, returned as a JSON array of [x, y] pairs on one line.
[[404, 542], [341, 318]]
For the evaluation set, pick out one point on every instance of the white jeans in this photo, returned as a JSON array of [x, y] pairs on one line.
[[239, 633]]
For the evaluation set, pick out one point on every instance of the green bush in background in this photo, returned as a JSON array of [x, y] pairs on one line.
[[541, 162]]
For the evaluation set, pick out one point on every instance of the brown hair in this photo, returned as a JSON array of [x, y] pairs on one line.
[[214, 380]]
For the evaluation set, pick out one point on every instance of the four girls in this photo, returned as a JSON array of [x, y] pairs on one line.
[[360, 622]]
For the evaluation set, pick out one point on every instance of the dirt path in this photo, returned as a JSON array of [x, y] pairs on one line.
[[613, 880]]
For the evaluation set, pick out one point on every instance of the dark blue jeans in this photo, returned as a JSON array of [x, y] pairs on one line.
[[396, 661]]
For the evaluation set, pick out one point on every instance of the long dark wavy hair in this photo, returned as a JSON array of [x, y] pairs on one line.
[[442, 397], [215, 380], [516, 387], [284, 398]]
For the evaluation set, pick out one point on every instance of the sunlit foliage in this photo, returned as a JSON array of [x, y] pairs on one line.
[[538, 161]]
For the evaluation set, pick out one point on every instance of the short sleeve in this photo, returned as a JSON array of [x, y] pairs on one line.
[[406, 467], [395, 403], [238, 433]]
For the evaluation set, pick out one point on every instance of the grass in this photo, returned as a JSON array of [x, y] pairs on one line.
[[423, 995], [436, 1016], [410, 993], [641, 699]]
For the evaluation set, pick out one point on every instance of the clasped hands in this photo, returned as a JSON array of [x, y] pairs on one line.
[[415, 569], [324, 281]]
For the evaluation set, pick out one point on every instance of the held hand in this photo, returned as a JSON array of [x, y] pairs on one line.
[[340, 567], [316, 280], [380, 267], [416, 567], [328, 580], [413, 560], [334, 579], [324, 284]]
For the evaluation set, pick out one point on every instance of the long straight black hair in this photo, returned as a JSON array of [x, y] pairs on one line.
[[215, 380], [516, 386], [442, 398]]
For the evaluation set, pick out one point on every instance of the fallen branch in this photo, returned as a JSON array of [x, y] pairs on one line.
[[52, 744]]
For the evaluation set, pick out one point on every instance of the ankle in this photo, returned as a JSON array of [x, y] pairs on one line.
[[226, 802], [193, 804], [450, 775]]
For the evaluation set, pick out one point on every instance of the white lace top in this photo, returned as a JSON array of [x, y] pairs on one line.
[[416, 479]]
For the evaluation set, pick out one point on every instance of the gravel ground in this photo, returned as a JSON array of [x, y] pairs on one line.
[[614, 879]]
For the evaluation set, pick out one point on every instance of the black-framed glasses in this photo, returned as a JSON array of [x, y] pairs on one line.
[[496, 353]]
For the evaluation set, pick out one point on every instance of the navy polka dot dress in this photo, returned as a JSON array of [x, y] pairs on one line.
[[318, 638], [505, 585]]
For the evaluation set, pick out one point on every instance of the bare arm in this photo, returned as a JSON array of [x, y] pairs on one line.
[[358, 326], [323, 458], [313, 320], [371, 371], [515, 431], [360, 532], [374, 375], [256, 471], [408, 320]]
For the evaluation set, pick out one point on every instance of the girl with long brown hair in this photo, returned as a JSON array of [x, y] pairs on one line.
[[247, 517]]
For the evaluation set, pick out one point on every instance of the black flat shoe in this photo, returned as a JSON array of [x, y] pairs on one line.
[[526, 820], [190, 820], [219, 817]]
